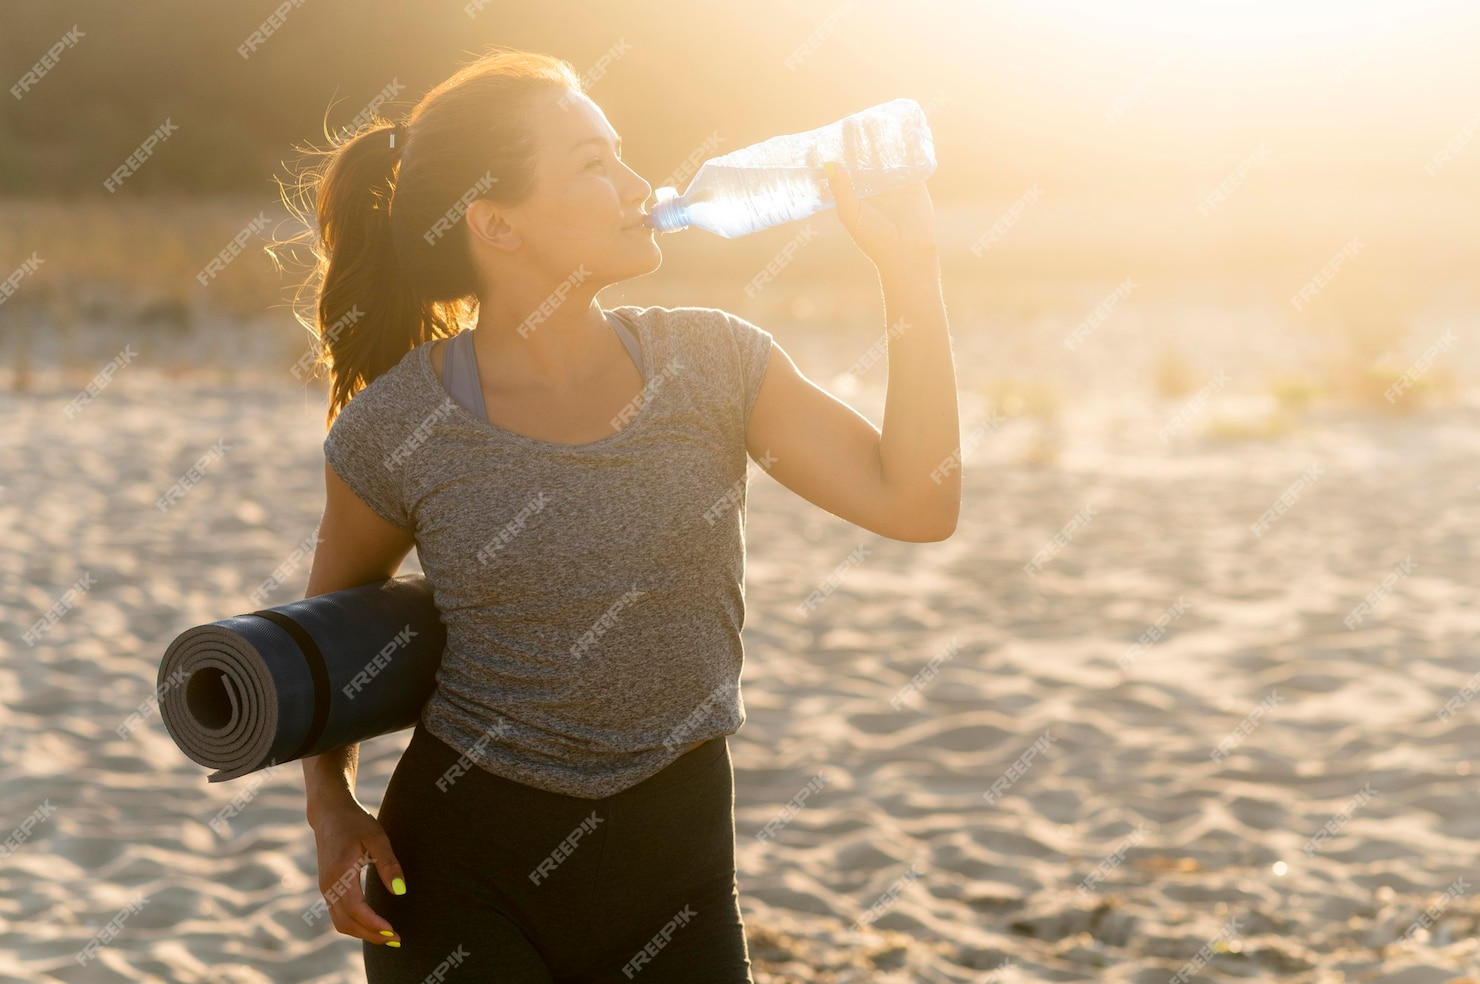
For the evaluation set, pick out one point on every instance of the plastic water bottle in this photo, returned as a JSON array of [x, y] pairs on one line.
[[781, 179]]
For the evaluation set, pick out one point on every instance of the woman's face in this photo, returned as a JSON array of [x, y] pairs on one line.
[[584, 218]]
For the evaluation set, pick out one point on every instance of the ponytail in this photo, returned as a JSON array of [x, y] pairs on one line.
[[368, 313], [391, 272]]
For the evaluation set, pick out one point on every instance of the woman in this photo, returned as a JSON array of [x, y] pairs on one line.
[[573, 480]]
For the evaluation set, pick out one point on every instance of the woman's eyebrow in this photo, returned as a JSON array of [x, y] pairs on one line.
[[601, 140]]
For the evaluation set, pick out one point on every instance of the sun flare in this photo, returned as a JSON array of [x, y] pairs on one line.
[[1243, 18]]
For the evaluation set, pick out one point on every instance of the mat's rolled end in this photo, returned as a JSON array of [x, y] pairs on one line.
[[296, 680], [218, 699]]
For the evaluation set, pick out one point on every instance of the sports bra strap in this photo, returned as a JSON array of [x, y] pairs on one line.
[[633, 349], [460, 374]]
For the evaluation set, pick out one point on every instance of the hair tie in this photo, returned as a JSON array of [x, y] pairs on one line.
[[398, 136]]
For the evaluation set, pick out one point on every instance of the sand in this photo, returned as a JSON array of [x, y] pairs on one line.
[[1153, 802]]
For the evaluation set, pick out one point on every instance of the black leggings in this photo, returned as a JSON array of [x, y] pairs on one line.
[[508, 884]]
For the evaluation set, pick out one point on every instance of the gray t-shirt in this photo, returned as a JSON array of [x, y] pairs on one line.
[[593, 594]]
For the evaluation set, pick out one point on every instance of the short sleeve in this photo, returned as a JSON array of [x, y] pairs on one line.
[[360, 447], [753, 348]]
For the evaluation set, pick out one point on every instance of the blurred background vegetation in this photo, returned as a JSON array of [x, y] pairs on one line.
[[1128, 116]]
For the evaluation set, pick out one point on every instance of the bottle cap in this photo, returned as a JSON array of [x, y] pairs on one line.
[[669, 214]]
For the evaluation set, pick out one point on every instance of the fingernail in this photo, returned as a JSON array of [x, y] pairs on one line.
[[391, 943], [398, 886], [387, 932]]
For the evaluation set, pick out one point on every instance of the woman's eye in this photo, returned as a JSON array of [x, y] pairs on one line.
[[596, 160]]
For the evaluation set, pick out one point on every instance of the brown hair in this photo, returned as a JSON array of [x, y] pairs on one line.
[[393, 264]]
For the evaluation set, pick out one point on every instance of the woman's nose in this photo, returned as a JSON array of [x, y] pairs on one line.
[[647, 189]]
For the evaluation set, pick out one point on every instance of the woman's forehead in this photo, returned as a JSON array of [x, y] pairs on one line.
[[574, 120]]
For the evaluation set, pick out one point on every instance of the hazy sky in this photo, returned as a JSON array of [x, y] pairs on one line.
[[1090, 94]]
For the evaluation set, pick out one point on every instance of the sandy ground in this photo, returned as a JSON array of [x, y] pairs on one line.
[[1164, 750]]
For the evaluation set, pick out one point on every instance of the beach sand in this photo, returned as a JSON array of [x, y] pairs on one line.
[[1120, 844]]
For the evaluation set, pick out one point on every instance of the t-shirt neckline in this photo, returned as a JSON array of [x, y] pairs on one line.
[[429, 375]]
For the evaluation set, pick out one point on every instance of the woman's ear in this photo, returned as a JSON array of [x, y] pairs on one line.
[[488, 223]]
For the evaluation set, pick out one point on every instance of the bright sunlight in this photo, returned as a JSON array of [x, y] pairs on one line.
[[1243, 18]]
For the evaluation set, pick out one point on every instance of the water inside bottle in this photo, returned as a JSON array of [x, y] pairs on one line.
[[782, 179]]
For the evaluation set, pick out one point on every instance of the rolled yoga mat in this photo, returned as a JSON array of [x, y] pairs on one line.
[[298, 679]]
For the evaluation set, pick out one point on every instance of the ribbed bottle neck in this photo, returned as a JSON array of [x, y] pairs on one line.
[[669, 215]]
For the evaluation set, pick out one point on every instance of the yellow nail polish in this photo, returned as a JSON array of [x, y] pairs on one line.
[[398, 886], [387, 932], [391, 943]]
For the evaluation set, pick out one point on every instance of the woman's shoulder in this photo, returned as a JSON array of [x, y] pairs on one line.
[[697, 328], [685, 316], [725, 353], [397, 394]]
